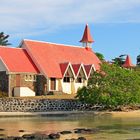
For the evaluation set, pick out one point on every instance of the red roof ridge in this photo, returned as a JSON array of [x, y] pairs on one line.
[[53, 43], [9, 47]]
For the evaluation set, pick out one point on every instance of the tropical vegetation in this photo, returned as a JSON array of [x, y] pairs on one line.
[[111, 87]]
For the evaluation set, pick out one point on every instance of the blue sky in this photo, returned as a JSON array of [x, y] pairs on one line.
[[114, 24]]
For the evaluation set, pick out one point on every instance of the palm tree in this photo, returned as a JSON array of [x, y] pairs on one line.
[[4, 39]]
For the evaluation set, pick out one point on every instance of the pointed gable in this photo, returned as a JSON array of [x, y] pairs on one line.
[[128, 63], [89, 69], [67, 70], [82, 72], [76, 68], [63, 67], [87, 36]]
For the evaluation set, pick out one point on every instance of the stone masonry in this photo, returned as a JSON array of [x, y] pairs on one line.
[[41, 105]]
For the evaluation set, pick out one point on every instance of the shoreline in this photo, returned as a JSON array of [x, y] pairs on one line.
[[133, 113]]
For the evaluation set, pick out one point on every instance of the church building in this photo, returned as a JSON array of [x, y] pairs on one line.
[[39, 68]]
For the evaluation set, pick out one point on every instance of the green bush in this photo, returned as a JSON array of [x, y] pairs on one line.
[[112, 86]]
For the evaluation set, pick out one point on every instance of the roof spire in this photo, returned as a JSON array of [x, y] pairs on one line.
[[128, 63], [87, 38]]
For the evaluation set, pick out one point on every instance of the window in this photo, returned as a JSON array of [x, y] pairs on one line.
[[30, 77], [66, 79], [79, 80]]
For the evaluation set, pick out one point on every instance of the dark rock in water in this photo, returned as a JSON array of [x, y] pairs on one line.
[[54, 136], [1, 129], [65, 132], [41, 136], [14, 138], [86, 131], [71, 139], [2, 139], [81, 138], [134, 139], [21, 130], [28, 136]]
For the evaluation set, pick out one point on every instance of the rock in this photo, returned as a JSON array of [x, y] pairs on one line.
[[14, 138], [65, 132], [21, 130], [2, 139], [41, 136], [54, 136], [71, 139], [86, 131], [28, 136], [81, 138]]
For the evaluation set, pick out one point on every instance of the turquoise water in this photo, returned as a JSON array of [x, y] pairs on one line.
[[110, 128]]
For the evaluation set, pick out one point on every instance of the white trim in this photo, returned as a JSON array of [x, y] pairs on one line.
[[7, 69], [81, 65], [52, 43], [92, 67], [69, 65], [56, 84], [10, 47]]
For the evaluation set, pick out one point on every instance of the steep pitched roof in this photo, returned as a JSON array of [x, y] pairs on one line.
[[17, 60], [128, 63], [48, 56], [87, 36], [76, 68], [88, 69], [63, 67]]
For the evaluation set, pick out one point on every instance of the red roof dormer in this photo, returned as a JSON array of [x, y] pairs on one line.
[[128, 62]]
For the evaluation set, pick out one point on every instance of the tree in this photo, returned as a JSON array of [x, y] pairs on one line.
[[119, 60], [100, 56], [4, 39], [112, 87]]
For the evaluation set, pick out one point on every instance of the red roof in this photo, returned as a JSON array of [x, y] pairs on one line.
[[49, 56], [17, 60], [87, 36], [87, 69], [128, 63], [63, 67], [76, 68]]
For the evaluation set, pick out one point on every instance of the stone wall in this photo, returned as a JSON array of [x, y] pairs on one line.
[[41, 85], [3, 82], [41, 105]]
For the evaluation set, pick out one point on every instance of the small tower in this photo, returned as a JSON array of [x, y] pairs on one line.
[[87, 39], [128, 64]]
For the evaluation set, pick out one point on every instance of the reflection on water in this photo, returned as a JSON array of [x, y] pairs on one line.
[[110, 128]]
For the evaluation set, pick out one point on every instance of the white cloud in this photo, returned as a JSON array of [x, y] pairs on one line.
[[28, 16]]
